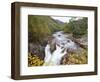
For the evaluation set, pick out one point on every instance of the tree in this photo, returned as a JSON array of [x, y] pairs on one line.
[[77, 27]]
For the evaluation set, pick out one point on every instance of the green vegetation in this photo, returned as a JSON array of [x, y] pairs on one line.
[[40, 27], [77, 27]]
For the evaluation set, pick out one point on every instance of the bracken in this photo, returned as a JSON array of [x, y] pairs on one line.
[[34, 60]]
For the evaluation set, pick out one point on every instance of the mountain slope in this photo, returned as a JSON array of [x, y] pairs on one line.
[[40, 27]]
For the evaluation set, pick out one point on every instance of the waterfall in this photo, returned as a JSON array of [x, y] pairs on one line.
[[63, 43]]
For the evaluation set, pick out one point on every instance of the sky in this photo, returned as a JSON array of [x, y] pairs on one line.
[[63, 19]]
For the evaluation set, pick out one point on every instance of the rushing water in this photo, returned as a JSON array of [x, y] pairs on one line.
[[63, 44]]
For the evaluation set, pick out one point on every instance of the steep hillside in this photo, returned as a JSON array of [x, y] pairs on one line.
[[40, 27]]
